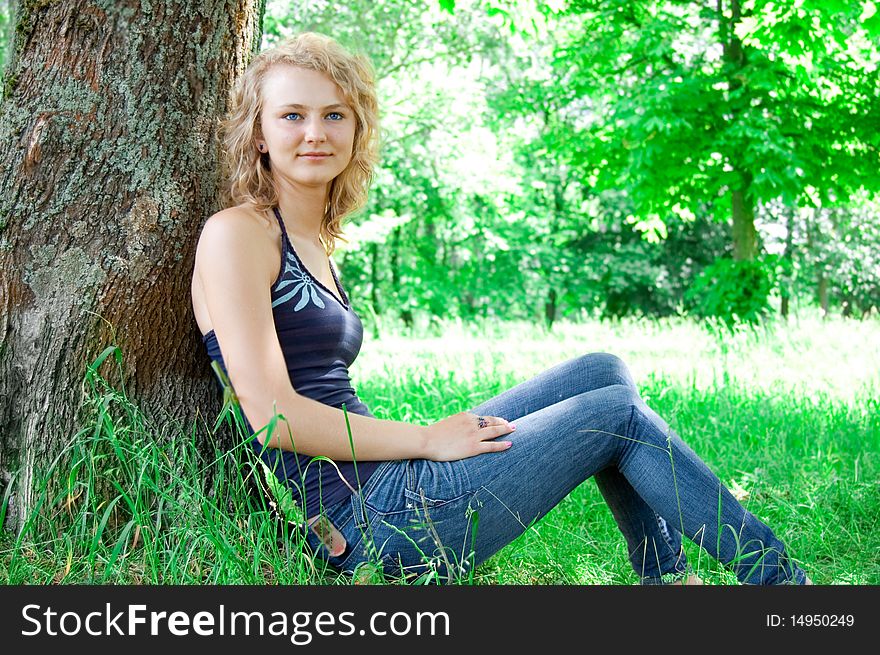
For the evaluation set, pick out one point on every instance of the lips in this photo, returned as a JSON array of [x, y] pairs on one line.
[[315, 155]]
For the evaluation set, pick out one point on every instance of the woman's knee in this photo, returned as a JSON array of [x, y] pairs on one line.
[[611, 369], [613, 406], [631, 417]]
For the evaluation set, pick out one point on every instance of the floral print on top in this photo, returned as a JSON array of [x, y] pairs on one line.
[[305, 285]]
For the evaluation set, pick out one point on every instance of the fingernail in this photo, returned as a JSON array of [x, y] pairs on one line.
[[512, 426], [509, 443]]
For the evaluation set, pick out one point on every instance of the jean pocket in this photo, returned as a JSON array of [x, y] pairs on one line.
[[433, 484]]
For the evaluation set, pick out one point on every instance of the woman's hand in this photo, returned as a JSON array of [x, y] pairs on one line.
[[460, 436]]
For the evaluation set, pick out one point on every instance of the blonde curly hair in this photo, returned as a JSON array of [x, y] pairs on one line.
[[248, 173]]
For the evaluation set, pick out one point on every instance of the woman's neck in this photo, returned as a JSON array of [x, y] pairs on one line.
[[302, 209]]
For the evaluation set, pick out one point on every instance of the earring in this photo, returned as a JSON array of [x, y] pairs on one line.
[[261, 147]]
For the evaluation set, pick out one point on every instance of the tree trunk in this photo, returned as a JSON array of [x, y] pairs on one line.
[[374, 277], [823, 294], [404, 309], [787, 282], [395, 259], [550, 309], [745, 237], [109, 170]]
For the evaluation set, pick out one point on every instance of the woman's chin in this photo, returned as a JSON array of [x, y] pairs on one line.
[[312, 181]]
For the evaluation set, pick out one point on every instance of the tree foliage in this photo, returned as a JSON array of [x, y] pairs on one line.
[[544, 160]]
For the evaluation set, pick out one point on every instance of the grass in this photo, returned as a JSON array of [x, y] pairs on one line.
[[786, 416]]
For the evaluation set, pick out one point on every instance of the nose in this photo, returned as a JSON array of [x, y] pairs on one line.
[[315, 131]]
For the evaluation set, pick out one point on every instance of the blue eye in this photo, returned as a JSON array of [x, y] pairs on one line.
[[333, 115]]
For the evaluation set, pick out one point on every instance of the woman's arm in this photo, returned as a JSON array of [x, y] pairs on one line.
[[236, 276]]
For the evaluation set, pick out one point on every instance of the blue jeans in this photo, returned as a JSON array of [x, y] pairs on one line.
[[578, 419]]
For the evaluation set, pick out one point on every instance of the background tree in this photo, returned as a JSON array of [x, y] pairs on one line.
[[739, 103], [838, 249], [684, 107], [108, 170], [608, 120]]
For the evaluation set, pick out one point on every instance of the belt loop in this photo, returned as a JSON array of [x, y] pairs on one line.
[[358, 507], [358, 514], [410, 476]]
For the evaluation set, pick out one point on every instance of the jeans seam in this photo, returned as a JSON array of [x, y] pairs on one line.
[[663, 526], [624, 444], [412, 491], [358, 510], [661, 522], [360, 501]]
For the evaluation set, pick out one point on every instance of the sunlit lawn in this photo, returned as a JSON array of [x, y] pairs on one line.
[[786, 416]]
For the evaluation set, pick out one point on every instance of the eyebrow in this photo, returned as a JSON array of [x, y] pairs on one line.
[[292, 105]]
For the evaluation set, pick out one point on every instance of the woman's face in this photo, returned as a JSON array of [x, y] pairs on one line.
[[307, 126]]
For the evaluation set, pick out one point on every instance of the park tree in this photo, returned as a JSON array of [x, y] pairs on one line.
[[682, 111], [107, 128], [737, 101]]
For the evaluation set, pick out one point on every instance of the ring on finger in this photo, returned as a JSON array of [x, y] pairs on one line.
[[481, 420]]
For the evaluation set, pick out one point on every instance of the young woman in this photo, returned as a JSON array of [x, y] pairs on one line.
[[300, 147]]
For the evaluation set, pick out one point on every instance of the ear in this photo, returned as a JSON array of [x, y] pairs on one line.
[[258, 138]]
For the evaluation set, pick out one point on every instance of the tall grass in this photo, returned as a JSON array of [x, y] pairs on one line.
[[786, 416], [121, 504]]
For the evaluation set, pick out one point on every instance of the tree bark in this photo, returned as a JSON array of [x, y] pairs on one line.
[[395, 259], [108, 171], [550, 309], [787, 282], [823, 294], [745, 238], [374, 277]]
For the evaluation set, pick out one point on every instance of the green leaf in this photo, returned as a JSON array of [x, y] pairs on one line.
[[872, 25], [96, 538], [281, 497], [114, 350], [121, 542], [836, 6]]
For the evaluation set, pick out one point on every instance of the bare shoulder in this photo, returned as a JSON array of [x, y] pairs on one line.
[[235, 222], [237, 233]]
